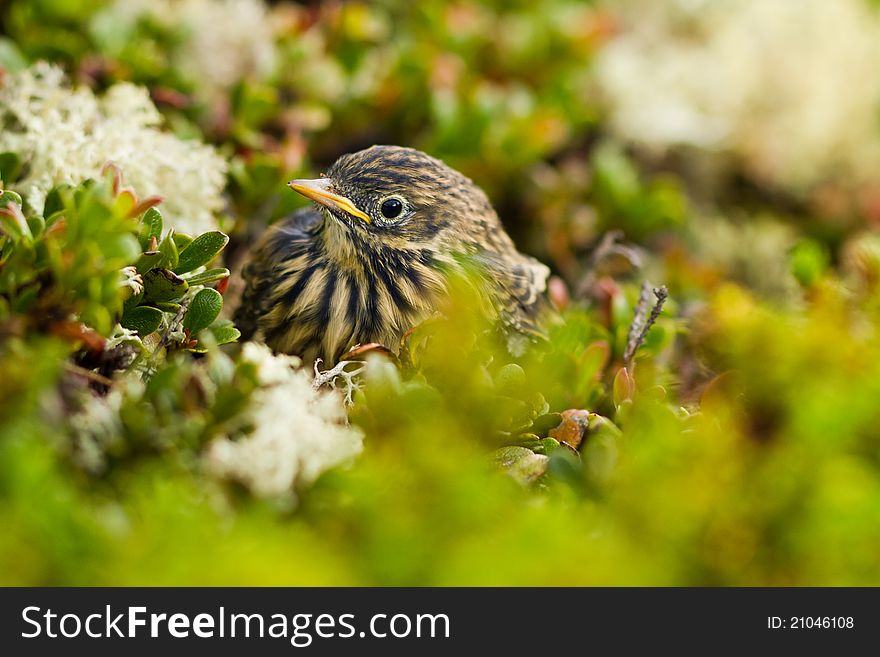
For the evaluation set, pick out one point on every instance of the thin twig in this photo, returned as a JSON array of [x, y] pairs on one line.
[[178, 319], [150, 366], [609, 245], [88, 374], [642, 322], [639, 319]]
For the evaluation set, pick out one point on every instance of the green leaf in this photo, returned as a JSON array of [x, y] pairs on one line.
[[208, 276], [11, 57], [624, 386], [203, 310], [520, 463], [151, 226], [148, 261], [566, 466], [142, 319], [506, 456], [201, 251], [163, 285], [510, 379], [544, 446], [8, 196], [600, 457], [55, 200], [225, 332], [808, 261], [132, 302], [543, 423], [37, 225], [10, 167], [515, 415], [168, 306], [168, 249], [26, 299], [182, 241]]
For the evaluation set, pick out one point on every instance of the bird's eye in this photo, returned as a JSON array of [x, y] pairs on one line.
[[391, 208]]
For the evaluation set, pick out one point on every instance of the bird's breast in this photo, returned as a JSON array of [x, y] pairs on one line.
[[324, 305]]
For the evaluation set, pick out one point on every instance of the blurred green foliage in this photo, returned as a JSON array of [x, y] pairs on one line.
[[740, 447]]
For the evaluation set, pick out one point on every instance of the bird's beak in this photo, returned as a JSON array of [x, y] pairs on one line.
[[319, 191]]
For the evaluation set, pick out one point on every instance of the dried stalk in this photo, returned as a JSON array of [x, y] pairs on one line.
[[642, 322]]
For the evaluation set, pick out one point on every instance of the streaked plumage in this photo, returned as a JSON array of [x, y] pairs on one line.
[[341, 274]]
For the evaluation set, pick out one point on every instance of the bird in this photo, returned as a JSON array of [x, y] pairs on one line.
[[373, 258]]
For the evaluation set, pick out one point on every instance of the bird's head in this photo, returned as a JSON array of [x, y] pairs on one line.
[[399, 196]]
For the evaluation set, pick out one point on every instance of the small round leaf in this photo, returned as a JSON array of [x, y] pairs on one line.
[[203, 310], [142, 319]]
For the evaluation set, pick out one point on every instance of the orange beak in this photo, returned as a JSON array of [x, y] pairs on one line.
[[319, 191]]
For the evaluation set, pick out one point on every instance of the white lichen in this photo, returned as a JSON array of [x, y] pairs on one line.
[[96, 427], [122, 335], [131, 280], [784, 89], [299, 432], [332, 377], [67, 134]]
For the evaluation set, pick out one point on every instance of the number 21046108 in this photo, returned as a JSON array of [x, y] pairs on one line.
[[810, 622]]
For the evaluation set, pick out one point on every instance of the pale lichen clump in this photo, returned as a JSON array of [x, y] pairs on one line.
[[299, 432], [96, 427], [66, 134], [787, 90]]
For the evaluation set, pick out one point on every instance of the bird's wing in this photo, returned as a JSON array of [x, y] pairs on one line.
[[273, 248], [520, 282]]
